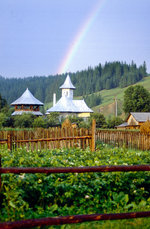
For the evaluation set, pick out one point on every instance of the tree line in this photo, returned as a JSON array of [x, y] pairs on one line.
[[136, 99], [108, 76]]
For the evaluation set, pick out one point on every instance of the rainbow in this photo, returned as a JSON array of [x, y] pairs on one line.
[[64, 66]]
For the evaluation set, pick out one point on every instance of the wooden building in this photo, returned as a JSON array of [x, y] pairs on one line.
[[27, 103], [135, 120]]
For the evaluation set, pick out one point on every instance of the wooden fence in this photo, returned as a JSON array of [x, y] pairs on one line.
[[129, 139], [72, 137], [49, 138]]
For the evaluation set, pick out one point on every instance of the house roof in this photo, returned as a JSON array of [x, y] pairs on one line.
[[27, 99], [38, 113], [66, 104], [123, 125], [140, 116], [67, 84]]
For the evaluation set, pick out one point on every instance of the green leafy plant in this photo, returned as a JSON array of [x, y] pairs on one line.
[[43, 195]]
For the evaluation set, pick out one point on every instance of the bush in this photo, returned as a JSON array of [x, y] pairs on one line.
[[113, 122], [145, 127], [53, 119], [79, 121], [100, 120], [3, 119], [40, 122], [24, 120]]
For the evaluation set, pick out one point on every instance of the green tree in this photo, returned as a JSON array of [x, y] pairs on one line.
[[113, 122], [40, 122], [81, 123], [136, 99], [100, 120], [3, 102], [53, 119], [89, 81], [75, 119], [93, 100], [23, 121], [3, 119]]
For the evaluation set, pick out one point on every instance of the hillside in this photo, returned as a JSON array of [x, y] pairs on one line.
[[90, 81], [107, 107]]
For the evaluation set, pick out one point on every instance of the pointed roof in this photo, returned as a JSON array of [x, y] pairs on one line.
[[67, 84], [27, 99]]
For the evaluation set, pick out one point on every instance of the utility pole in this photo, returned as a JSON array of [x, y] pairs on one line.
[[116, 107]]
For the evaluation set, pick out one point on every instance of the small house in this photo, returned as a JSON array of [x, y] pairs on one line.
[[135, 120], [66, 105], [27, 103]]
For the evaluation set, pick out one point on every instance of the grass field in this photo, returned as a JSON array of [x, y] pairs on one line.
[[108, 98]]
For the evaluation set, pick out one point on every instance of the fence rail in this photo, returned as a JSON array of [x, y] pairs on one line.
[[72, 137], [130, 139], [49, 221], [50, 138], [103, 168], [74, 218]]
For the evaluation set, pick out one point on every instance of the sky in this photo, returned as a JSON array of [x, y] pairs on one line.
[[48, 37]]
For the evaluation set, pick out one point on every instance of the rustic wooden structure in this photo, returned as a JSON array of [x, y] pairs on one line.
[[74, 218], [27, 103], [50, 138], [129, 139], [135, 120]]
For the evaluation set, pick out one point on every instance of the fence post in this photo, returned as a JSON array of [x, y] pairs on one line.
[[0, 174], [9, 142], [93, 135]]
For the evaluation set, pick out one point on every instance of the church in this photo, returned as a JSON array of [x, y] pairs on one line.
[[66, 105]]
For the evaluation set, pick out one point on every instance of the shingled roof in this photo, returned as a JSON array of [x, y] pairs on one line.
[[140, 116], [37, 113], [66, 104], [27, 99], [67, 84]]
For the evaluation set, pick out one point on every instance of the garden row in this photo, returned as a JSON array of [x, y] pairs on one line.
[[40, 195]]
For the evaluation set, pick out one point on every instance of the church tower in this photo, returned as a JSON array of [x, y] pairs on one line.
[[67, 88]]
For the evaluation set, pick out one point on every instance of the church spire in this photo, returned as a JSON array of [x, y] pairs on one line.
[[67, 84], [67, 88]]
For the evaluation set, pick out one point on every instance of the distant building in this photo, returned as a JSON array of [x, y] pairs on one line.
[[27, 103], [67, 105], [135, 120]]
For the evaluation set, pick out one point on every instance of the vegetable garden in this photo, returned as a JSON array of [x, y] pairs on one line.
[[27, 196]]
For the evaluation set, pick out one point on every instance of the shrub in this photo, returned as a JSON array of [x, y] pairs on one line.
[[39, 122], [24, 120], [145, 127], [53, 119], [100, 120], [113, 122]]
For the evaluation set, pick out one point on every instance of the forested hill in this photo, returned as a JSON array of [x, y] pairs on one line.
[[111, 75]]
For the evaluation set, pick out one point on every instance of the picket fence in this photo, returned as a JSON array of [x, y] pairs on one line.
[[57, 137], [51, 138], [129, 139]]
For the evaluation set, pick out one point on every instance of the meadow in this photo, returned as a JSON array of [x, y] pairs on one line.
[[27, 196], [107, 106]]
